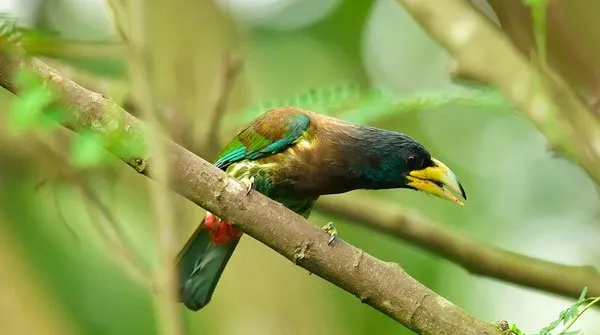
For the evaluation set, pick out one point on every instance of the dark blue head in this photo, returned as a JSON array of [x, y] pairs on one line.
[[386, 159]]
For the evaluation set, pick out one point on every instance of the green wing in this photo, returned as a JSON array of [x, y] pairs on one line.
[[268, 134]]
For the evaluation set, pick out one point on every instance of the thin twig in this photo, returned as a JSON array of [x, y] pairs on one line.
[[112, 235], [118, 247], [477, 258], [569, 324], [540, 95], [170, 320], [61, 215], [119, 17], [224, 83]]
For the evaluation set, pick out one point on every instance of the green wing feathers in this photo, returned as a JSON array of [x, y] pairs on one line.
[[201, 262], [271, 133]]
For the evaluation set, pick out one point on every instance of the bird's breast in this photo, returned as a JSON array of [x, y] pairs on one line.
[[275, 180]]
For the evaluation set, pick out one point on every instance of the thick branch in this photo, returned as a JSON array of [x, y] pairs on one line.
[[477, 258], [544, 98], [384, 286]]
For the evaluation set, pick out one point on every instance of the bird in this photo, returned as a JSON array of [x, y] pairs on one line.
[[294, 156]]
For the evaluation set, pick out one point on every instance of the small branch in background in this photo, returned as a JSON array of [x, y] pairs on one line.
[[540, 95], [143, 85], [111, 234], [224, 83], [457, 73], [572, 39], [384, 286], [594, 102], [183, 108], [60, 213], [477, 258], [120, 249], [118, 11]]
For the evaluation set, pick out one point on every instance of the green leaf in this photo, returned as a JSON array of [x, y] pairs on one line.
[[26, 112], [87, 150], [52, 117], [515, 330], [27, 80], [553, 325], [359, 105], [35, 108], [582, 296], [539, 19]]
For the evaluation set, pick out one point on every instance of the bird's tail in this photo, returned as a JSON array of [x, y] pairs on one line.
[[199, 266]]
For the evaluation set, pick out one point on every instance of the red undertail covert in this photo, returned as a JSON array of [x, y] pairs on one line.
[[221, 232]]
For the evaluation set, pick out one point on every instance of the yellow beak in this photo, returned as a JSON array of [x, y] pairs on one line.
[[437, 180]]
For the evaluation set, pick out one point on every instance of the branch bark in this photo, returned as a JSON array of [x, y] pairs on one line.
[[539, 94], [384, 286], [572, 34], [475, 257]]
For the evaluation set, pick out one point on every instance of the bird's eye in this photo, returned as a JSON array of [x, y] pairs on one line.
[[411, 162]]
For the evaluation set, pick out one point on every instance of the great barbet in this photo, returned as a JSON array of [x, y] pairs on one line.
[[294, 156]]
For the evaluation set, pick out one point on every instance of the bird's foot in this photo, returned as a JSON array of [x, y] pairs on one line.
[[248, 182], [330, 229]]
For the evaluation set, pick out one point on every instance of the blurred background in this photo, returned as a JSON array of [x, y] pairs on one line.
[[364, 61]]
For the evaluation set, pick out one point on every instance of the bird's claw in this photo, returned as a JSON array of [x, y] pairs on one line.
[[330, 229], [248, 183]]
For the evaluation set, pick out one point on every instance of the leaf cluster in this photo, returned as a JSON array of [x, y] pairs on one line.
[[37, 110], [362, 105], [566, 318]]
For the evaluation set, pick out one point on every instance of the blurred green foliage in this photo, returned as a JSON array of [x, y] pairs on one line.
[[516, 199], [28, 112], [567, 318]]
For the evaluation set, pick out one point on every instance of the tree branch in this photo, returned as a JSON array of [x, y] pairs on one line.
[[475, 257], [538, 93], [384, 286]]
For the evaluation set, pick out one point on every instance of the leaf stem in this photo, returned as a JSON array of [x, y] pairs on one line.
[[579, 314]]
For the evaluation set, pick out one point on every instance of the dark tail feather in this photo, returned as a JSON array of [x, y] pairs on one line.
[[199, 265]]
